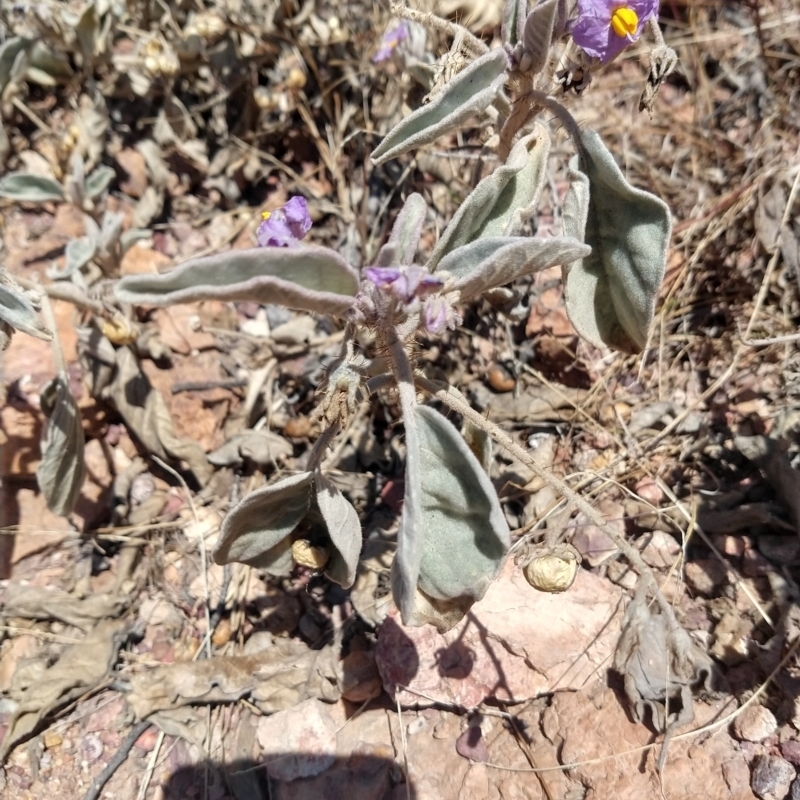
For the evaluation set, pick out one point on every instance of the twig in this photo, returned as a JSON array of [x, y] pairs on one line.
[[203, 556], [471, 43], [762, 292], [151, 766], [200, 386], [119, 759]]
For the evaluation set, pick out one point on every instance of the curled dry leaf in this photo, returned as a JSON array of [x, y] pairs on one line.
[[277, 678], [61, 471], [146, 414], [39, 690]]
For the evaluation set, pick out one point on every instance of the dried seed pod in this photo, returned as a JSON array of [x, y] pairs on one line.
[[306, 554], [552, 570]]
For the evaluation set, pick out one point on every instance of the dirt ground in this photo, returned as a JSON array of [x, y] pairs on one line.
[[132, 667]]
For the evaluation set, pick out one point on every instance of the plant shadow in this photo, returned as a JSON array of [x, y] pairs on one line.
[[354, 777]]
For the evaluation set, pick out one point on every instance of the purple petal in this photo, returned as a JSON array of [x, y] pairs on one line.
[[390, 40], [435, 315], [285, 226], [382, 276], [592, 28]]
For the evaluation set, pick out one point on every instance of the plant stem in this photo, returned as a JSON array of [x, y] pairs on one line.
[[50, 321], [454, 400], [405, 570]]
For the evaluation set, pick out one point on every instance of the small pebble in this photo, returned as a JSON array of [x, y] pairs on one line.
[[795, 793], [500, 379], [297, 428], [706, 575], [790, 750], [755, 724], [781, 550], [754, 565], [772, 778], [660, 549]]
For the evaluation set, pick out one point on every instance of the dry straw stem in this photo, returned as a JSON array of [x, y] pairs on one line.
[[773, 262], [469, 42], [453, 399]]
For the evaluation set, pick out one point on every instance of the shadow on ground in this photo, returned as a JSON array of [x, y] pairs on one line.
[[356, 777]]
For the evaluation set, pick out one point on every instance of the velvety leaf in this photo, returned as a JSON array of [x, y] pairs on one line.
[[611, 294], [344, 531], [306, 278], [537, 35], [9, 50], [61, 471], [487, 263], [27, 188], [406, 231], [18, 312], [513, 20], [98, 181], [470, 92], [79, 252], [460, 536], [112, 229], [502, 202], [257, 531]]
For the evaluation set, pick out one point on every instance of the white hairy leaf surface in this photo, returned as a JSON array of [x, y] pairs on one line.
[[305, 278], [257, 531], [502, 202], [611, 293], [471, 92]]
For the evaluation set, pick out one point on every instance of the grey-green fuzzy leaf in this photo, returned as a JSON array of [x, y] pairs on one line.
[[18, 312], [488, 263], [611, 294], [9, 51], [461, 534], [344, 531], [538, 34], [258, 530], [306, 278], [501, 203], [98, 181], [61, 471], [470, 92], [408, 228], [27, 188]]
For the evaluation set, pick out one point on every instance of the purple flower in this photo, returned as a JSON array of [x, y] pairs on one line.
[[436, 315], [285, 226], [604, 27], [391, 39], [404, 284]]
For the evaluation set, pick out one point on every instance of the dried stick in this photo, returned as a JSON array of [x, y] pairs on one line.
[[119, 759]]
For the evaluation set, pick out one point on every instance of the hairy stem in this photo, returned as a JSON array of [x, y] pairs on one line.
[[405, 570], [454, 400]]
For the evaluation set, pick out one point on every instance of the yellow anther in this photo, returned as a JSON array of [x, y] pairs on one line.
[[624, 21], [266, 215]]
